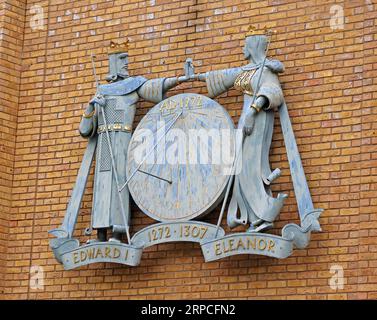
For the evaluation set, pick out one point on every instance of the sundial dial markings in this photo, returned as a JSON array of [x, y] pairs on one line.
[[153, 126], [162, 189], [177, 205], [201, 143], [187, 185], [203, 180], [188, 181], [196, 201], [159, 113], [206, 113], [172, 191], [190, 196], [135, 185], [197, 166], [182, 198], [147, 182], [221, 124]]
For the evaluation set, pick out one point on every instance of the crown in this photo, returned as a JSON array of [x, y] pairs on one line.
[[118, 47], [253, 31]]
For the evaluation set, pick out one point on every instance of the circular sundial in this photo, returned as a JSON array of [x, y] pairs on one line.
[[180, 157]]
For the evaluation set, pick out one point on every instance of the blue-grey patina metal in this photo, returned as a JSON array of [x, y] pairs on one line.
[[107, 123], [122, 87], [252, 198], [191, 187], [177, 196]]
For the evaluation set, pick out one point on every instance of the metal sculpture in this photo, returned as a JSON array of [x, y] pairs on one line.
[[176, 193], [107, 123]]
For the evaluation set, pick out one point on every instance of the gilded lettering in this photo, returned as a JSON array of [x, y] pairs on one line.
[[251, 243], [231, 242], [204, 229], [224, 247], [262, 244], [217, 248], [271, 245], [76, 257], [99, 252], [116, 253], [83, 255], [90, 253], [240, 244], [107, 252], [195, 231]]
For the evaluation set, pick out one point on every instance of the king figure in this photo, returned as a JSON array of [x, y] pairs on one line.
[[109, 116]]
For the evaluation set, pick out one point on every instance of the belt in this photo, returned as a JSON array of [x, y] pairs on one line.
[[114, 127]]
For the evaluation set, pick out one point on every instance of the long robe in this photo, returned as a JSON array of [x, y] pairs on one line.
[[121, 98], [252, 198]]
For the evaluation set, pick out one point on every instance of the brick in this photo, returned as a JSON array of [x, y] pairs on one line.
[[329, 86]]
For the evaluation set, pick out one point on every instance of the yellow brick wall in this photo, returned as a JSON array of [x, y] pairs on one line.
[[12, 14], [367, 275], [331, 107]]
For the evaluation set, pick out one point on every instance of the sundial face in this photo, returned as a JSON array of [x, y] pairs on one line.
[[182, 152]]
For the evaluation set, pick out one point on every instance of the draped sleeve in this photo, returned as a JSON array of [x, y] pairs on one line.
[[220, 81], [269, 88], [152, 90], [88, 126]]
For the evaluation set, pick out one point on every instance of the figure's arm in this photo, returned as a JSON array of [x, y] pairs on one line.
[[269, 96], [154, 90], [88, 124], [270, 87], [259, 104], [170, 83], [218, 81], [271, 90], [199, 77]]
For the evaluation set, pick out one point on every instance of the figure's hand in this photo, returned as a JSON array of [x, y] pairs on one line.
[[183, 79], [198, 77], [249, 121], [99, 99], [261, 102]]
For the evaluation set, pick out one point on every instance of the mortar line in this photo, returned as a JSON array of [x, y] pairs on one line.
[[39, 142]]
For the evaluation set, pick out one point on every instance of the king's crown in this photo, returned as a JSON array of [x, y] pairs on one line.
[[121, 47]]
